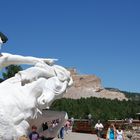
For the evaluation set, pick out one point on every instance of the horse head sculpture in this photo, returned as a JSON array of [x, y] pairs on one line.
[[23, 96]]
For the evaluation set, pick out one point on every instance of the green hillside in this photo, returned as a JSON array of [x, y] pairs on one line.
[[99, 108]]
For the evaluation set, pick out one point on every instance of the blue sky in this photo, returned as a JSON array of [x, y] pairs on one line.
[[100, 37]]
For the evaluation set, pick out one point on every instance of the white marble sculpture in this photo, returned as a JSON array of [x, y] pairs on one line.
[[23, 96]]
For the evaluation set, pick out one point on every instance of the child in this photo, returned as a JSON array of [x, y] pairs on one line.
[[34, 135]]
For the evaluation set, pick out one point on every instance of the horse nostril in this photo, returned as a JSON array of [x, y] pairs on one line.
[[44, 101]]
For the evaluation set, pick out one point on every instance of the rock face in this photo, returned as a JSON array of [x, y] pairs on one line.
[[85, 86]]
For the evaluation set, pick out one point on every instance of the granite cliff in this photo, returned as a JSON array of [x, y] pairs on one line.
[[85, 86]]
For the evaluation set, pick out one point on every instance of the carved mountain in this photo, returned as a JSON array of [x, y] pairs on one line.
[[85, 86]]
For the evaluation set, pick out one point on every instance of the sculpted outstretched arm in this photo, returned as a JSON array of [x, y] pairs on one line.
[[7, 59]]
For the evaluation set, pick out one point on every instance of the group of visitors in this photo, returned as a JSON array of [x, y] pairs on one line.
[[112, 132], [54, 123], [34, 135]]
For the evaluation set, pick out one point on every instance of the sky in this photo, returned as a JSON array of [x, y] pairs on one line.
[[97, 37]]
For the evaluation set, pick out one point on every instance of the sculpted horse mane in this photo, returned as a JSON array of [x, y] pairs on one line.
[[23, 96]]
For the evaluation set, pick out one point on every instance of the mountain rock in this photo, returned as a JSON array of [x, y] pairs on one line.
[[86, 86]]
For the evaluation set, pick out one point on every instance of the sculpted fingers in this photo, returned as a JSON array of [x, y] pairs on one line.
[[50, 61]]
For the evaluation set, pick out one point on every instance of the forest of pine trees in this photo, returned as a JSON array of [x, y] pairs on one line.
[[99, 108]]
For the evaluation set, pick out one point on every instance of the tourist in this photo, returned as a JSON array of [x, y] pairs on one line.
[[44, 126], [61, 135], [111, 132], [120, 134], [34, 134], [99, 129], [67, 126], [71, 123]]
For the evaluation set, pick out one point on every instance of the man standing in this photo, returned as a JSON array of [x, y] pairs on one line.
[[99, 128]]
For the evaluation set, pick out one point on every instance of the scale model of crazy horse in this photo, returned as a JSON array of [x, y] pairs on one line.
[[23, 96]]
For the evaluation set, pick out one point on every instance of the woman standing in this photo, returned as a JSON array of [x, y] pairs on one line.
[[120, 134], [111, 132]]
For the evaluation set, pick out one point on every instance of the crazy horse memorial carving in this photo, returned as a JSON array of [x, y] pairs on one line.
[[23, 96]]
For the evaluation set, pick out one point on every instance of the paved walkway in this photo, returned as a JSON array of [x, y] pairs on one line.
[[78, 136]]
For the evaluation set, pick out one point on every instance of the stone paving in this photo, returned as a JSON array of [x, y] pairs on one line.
[[78, 136]]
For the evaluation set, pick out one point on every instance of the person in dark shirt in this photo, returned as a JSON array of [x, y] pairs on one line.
[[34, 134], [45, 126]]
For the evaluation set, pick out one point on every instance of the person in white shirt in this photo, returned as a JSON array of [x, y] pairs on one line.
[[120, 134], [99, 128]]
